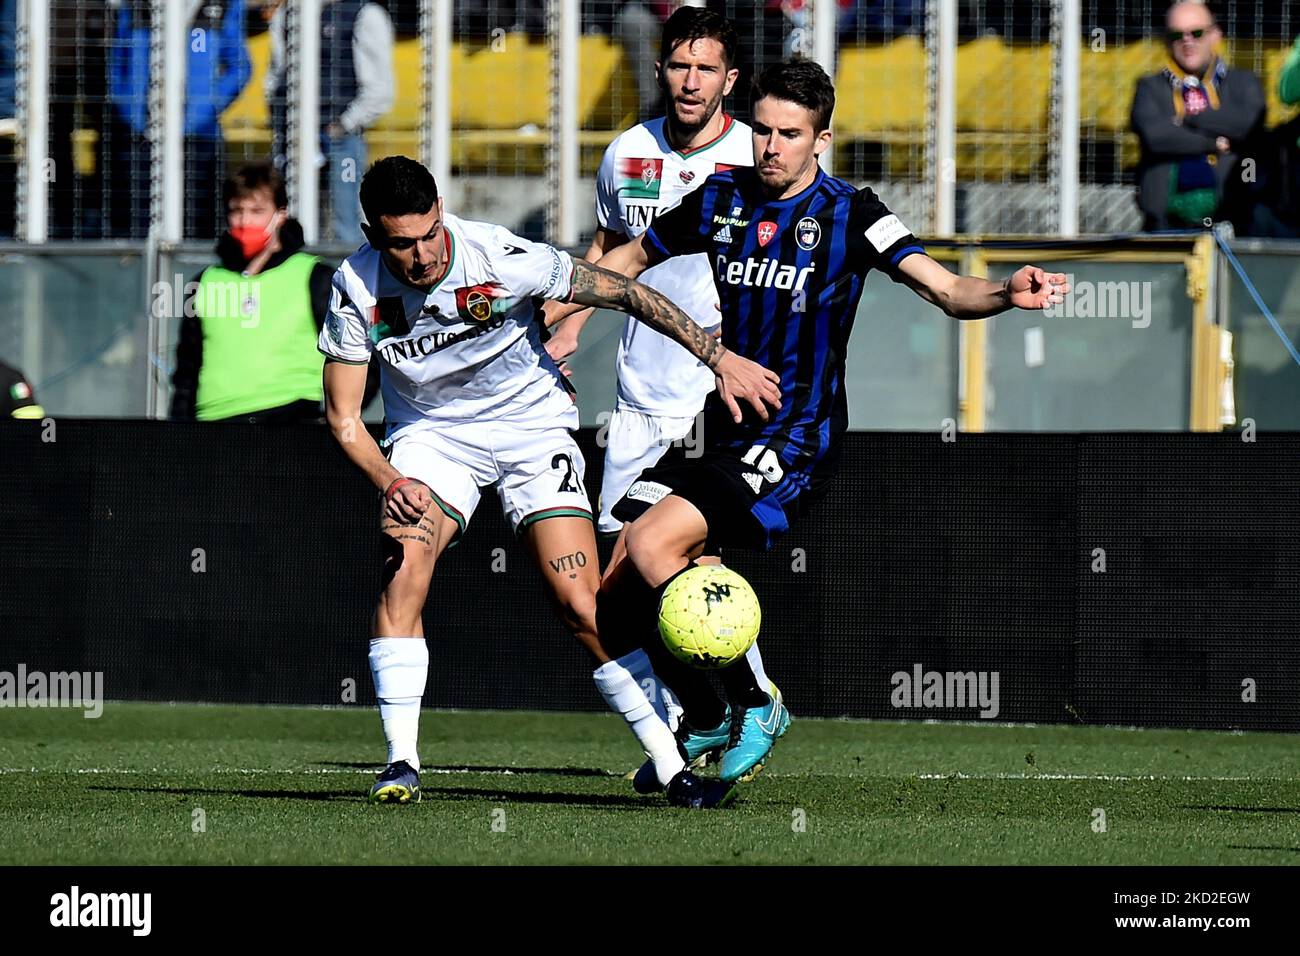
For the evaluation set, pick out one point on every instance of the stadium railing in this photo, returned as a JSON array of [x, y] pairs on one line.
[[498, 100], [1160, 334]]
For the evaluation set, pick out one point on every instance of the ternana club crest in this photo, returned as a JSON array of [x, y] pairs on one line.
[[474, 303]]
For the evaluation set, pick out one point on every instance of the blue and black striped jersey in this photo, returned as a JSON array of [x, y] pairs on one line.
[[789, 275]]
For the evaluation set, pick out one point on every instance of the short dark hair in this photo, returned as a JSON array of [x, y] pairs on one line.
[[799, 81], [688, 24], [253, 178], [397, 186]]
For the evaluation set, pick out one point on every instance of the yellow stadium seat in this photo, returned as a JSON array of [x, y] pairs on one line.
[[500, 103], [1268, 60], [500, 100], [1001, 109], [1107, 79], [866, 107], [1002, 86]]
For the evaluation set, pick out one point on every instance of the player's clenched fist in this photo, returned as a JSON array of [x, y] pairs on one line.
[[739, 378], [1032, 288], [407, 499]]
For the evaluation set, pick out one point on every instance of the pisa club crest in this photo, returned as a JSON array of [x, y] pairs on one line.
[[474, 303], [808, 233], [766, 230]]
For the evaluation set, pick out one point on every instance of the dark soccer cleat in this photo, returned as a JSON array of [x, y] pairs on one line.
[[399, 783], [695, 746], [688, 790]]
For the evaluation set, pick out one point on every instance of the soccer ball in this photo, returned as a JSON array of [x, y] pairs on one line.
[[709, 616]]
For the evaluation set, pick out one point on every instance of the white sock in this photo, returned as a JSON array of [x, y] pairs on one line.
[[400, 666], [755, 660], [661, 698], [625, 696]]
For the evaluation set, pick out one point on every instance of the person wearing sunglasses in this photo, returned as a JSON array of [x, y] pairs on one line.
[[1192, 119]]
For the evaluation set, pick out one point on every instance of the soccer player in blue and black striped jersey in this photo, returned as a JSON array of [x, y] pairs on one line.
[[791, 248]]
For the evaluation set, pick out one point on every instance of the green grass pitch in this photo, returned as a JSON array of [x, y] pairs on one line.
[[195, 784]]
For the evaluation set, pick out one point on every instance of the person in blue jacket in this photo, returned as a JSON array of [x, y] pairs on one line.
[[218, 67]]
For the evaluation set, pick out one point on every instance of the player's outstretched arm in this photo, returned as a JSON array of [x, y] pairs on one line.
[[564, 342], [738, 378], [345, 386], [628, 258], [968, 297]]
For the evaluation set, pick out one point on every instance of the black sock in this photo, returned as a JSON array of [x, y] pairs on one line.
[[704, 709], [742, 686]]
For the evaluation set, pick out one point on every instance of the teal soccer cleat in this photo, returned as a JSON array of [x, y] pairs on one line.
[[754, 731], [701, 743]]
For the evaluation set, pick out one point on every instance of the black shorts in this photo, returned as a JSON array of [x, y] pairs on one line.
[[746, 505]]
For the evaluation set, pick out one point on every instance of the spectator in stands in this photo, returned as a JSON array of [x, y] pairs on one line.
[[1267, 204], [8, 49], [218, 68], [762, 29], [637, 26], [247, 347], [1192, 120], [477, 21], [17, 398], [356, 90], [882, 19], [8, 110]]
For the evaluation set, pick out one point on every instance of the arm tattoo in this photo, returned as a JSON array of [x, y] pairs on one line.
[[603, 289]]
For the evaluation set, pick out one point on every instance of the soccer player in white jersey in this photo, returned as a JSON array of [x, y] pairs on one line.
[[661, 387], [646, 171], [472, 399]]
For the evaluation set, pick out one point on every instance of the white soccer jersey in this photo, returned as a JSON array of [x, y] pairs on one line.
[[641, 177], [467, 349]]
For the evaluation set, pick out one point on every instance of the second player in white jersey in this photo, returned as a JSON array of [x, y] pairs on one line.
[[642, 176], [646, 172]]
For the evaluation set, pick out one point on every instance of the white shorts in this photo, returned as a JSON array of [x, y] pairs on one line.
[[537, 470], [633, 442]]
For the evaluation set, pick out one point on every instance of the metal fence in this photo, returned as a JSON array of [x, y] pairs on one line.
[[1161, 335], [969, 117], [1008, 116]]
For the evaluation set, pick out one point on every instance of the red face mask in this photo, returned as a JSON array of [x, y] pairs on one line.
[[253, 239]]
